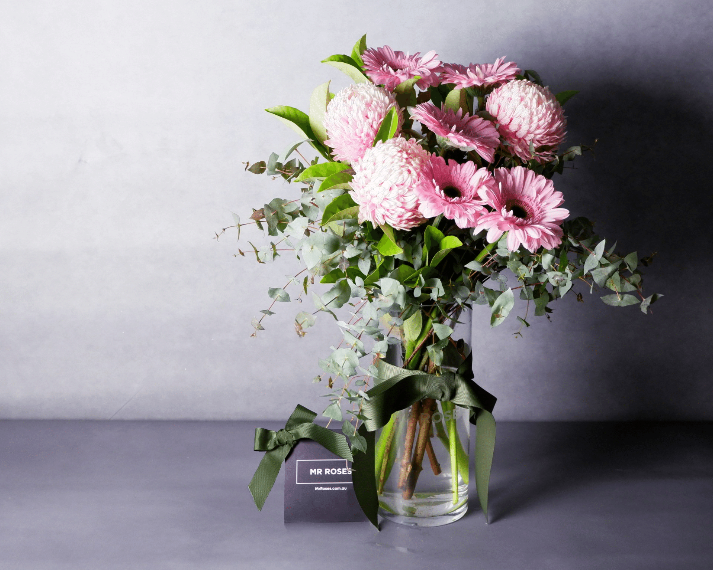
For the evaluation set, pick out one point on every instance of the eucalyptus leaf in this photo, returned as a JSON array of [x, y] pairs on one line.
[[278, 294], [442, 331], [501, 307], [620, 300], [632, 261], [333, 411]]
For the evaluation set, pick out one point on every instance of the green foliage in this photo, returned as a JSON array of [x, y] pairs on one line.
[[388, 126], [564, 96], [358, 49], [317, 108], [348, 66]]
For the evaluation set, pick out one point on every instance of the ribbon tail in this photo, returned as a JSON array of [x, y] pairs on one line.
[[363, 477], [266, 474], [484, 448]]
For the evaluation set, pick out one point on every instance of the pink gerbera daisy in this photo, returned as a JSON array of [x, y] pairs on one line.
[[525, 205], [529, 118], [479, 74], [460, 129], [387, 67], [452, 189], [384, 183], [353, 118]]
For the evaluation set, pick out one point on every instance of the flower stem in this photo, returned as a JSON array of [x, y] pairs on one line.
[[408, 444], [424, 430], [452, 437]]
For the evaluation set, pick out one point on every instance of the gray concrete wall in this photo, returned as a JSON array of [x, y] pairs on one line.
[[122, 130]]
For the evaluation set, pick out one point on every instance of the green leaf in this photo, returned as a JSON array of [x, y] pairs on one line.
[[407, 85], [337, 180], [358, 49], [388, 127], [631, 261], [445, 246], [541, 304], [294, 118], [257, 168], [299, 122], [450, 242], [431, 242], [278, 294], [533, 76], [412, 326], [650, 300], [571, 152], [442, 331], [406, 93], [333, 411], [457, 99], [602, 274], [304, 320], [564, 96], [523, 321], [501, 307], [236, 219], [341, 208], [333, 276], [387, 245], [317, 108], [620, 300], [338, 295], [321, 170], [594, 257], [347, 65]]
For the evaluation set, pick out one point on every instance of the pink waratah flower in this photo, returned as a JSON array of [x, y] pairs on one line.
[[353, 118], [525, 206], [452, 189], [387, 67], [528, 115], [461, 130], [384, 183], [479, 74]]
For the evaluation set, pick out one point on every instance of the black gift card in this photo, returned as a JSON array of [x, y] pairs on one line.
[[318, 486]]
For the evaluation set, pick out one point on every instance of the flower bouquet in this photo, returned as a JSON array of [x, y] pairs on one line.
[[430, 192]]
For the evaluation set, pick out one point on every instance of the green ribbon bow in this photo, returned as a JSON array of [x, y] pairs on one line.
[[278, 444], [400, 388]]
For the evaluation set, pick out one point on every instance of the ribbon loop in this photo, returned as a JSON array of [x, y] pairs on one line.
[[278, 444]]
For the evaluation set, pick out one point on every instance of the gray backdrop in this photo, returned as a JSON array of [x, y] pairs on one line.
[[122, 130]]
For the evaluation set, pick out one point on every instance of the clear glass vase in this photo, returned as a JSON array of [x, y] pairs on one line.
[[422, 454]]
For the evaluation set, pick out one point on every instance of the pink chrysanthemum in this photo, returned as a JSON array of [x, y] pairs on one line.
[[353, 118], [461, 130], [384, 183], [525, 206], [452, 189], [387, 67], [479, 74], [528, 115]]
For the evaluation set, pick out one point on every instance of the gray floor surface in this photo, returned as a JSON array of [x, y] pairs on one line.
[[173, 495]]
